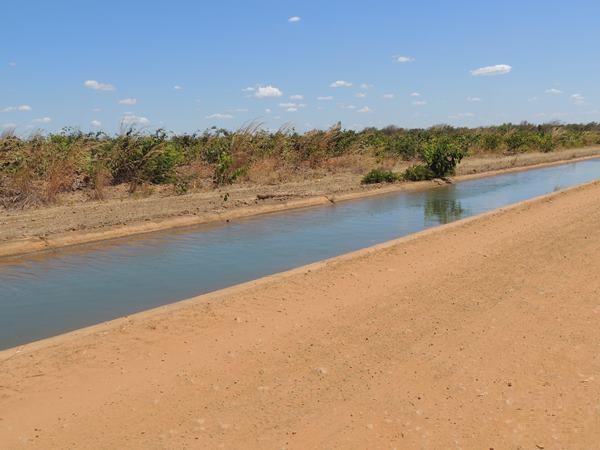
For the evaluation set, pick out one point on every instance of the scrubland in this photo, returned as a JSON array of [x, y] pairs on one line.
[[72, 166]]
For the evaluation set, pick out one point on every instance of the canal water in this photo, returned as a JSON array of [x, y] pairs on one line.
[[49, 293]]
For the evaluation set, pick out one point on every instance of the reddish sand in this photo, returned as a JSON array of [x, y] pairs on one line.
[[481, 334]]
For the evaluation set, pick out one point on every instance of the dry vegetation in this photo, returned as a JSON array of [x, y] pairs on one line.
[[36, 170]]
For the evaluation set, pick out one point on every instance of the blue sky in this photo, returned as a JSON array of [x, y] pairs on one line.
[[188, 65]]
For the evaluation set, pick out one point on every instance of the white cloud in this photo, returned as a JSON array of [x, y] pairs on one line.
[[553, 91], [365, 109], [97, 86], [366, 86], [340, 83], [403, 59], [267, 91], [498, 69], [532, 99], [388, 96], [473, 99], [296, 97], [133, 120], [295, 19], [268, 111], [415, 94], [240, 110], [43, 120], [22, 108], [361, 95], [248, 89], [128, 101], [325, 99], [578, 99], [292, 107], [220, 116], [9, 125], [96, 109], [419, 103], [178, 87], [96, 123], [348, 107]]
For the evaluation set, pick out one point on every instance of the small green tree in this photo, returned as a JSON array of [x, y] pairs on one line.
[[442, 156]]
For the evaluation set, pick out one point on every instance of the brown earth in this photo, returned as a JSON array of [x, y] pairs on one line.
[[479, 334], [76, 220]]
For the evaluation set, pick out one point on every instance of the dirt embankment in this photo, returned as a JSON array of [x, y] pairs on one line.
[[479, 334], [76, 221]]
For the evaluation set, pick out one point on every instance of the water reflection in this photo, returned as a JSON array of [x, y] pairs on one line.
[[442, 211]]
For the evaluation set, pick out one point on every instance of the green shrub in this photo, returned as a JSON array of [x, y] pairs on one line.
[[380, 176], [544, 142], [225, 172], [138, 159], [418, 173], [516, 142], [442, 156], [406, 146], [491, 142]]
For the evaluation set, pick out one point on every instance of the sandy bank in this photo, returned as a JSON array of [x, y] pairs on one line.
[[78, 223], [479, 334]]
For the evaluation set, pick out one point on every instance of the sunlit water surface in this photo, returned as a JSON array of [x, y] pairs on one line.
[[53, 292]]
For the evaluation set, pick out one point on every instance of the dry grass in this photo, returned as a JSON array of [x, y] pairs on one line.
[[18, 191], [40, 169], [267, 171], [355, 163], [101, 179], [487, 163], [59, 178]]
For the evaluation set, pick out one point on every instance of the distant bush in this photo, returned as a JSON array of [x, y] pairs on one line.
[[544, 142], [491, 142], [380, 176], [418, 173]]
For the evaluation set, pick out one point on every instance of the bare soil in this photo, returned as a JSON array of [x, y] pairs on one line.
[[76, 215], [479, 334]]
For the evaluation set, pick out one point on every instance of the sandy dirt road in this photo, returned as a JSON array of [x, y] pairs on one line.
[[480, 334]]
